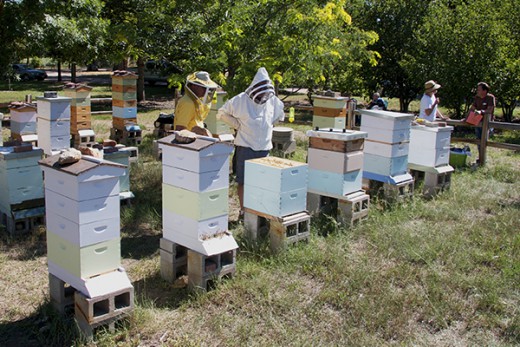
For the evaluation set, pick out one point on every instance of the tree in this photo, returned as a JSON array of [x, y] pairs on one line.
[[395, 21], [468, 42], [73, 31], [307, 43]]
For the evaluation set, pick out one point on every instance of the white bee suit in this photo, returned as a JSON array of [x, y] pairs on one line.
[[253, 121]]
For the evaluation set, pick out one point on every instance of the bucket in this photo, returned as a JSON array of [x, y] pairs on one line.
[[459, 156]]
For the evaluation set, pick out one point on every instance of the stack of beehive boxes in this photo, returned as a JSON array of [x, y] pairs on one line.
[[22, 204], [329, 112], [386, 148], [430, 153], [53, 122], [276, 189], [335, 161], [80, 114], [195, 210], [124, 109], [214, 125], [23, 122], [83, 238]]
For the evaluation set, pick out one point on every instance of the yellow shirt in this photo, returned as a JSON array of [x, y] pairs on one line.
[[190, 112]]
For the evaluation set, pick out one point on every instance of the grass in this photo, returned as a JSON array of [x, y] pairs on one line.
[[429, 272]]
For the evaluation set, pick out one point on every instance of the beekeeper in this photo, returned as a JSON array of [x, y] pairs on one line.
[[252, 113], [193, 108]]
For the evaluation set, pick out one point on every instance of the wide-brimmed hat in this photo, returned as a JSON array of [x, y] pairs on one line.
[[202, 79], [430, 86]]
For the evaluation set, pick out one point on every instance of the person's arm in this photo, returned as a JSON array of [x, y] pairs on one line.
[[225, 114], [429, 110]]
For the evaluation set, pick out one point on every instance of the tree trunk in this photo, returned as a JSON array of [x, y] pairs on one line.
[[73, 73], [508, 109], [59, 70], [140, 79]]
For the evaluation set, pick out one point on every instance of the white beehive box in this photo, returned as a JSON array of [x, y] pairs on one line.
[[385, 126], [83, 234], [52, 145], [196, 182], [275, 174], [54, 128], [203, 155], [387, 149], [430, 146], [337, 134], [337, 162], [57, 108]]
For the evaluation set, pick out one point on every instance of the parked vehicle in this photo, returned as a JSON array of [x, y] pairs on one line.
[[27, 74]]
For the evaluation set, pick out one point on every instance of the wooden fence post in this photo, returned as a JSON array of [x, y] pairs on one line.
[[483, 140]]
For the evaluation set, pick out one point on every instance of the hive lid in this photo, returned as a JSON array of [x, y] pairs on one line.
[[200, 143], [386, 114], [420, 127], [78, 87], [86, 163], [86, 132], [280, 163], [337, 134], [340, 98], [208, 247], [56, 99]]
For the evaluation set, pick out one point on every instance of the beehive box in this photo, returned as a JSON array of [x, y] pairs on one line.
[[387, 149], [123, 158], [83, 234], [384, 120], [196, 182], [87, 261], [54, 108], [385, 166], [430, 146], [124, 112], [194, 205], [23, 128], [328, 122], [55, 128], [198, 230], [337, 102], [275, 174], [20, 176], [338, 162], [275, 203], [202, 155], [334, 184]]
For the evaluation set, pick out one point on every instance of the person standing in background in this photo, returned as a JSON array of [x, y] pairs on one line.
[[429, 103], [193, 108]]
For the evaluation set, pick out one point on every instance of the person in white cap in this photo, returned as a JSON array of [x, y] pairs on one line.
[[429, 110], [193, 108], [253, 114]]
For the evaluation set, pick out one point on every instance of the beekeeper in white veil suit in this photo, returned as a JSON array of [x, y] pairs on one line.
[[252, 113]]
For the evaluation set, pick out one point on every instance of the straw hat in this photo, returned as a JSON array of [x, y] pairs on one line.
[[430, 86]]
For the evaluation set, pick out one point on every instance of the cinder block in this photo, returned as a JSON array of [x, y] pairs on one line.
[[174, 260], [98, 310], [289, 230], [254, 225], [398, 192], [353, 209], [61, 294], [203, 270]]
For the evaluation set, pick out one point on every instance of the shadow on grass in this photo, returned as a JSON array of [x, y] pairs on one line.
[[45, 327], [24, 247], [160, 293]]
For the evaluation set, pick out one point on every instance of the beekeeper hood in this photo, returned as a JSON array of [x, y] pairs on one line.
[[200, 84], [261, 89]]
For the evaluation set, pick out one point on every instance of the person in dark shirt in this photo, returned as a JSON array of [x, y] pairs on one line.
[[378, 102]]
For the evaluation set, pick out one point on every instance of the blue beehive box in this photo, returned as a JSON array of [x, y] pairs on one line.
[[334, 184]]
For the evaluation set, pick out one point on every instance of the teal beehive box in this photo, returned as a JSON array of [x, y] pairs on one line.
[[275, 174]]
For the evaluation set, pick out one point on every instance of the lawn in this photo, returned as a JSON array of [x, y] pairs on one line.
[[428, 272]]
